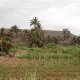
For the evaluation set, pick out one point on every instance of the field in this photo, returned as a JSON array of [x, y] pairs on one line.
[[54, 62]]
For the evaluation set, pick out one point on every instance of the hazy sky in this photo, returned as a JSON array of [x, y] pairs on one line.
[[53, 14]]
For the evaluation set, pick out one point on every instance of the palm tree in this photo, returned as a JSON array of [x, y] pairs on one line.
[[36, 36], [35, 23]]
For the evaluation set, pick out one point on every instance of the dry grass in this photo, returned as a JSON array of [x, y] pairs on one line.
[[45, 70], [63, 66]]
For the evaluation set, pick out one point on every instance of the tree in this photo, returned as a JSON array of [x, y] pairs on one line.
[[35, 23], [78, 40], [5, 41], [36, 35], [1, 38], [66, 33], [74, 40], [25, 35], [15, 29], [14, 32], [55, 40], [48, 38]]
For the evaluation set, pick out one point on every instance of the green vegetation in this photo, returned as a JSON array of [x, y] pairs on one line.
[[5, 41], [36, 35], [52, 52], [50, 63], [2, 53], [33, 56]]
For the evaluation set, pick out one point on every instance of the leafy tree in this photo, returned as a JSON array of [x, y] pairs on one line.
[[25, 35], [5, 41], [15, 29], [48, 38], [14, 32], [78, 40], [55, 40], [74, 40], [1, 37], [66, 33]]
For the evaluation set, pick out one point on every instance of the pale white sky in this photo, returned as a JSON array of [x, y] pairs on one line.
[[53, 14]]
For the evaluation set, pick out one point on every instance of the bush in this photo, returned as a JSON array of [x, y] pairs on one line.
[[3, 53], [75, 51], [51, 45], [12, 52]]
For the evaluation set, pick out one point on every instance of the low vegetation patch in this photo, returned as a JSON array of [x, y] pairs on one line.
[[3, 53]]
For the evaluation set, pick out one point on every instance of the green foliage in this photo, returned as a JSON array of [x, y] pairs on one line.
[[47, 56], [78, 40], [14, 29], [12, 52], [2, 53], [53, 59], [32, 77], [35, 23], [36, 35], [5, 41], [52, 51], [66, 33], [54, 40], [51, 45]]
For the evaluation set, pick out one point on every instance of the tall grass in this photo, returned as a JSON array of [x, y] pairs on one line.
[[52, 51], [31, 77], [49, 63]]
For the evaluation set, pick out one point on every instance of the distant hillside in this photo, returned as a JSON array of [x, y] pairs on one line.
[[58, 34], [50, 33], [53, 33]]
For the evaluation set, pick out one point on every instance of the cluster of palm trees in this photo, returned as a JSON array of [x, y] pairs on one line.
[[34, 37]]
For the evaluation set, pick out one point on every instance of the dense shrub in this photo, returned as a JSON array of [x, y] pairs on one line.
[[51, 45], [12, 52], [3, 53]]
